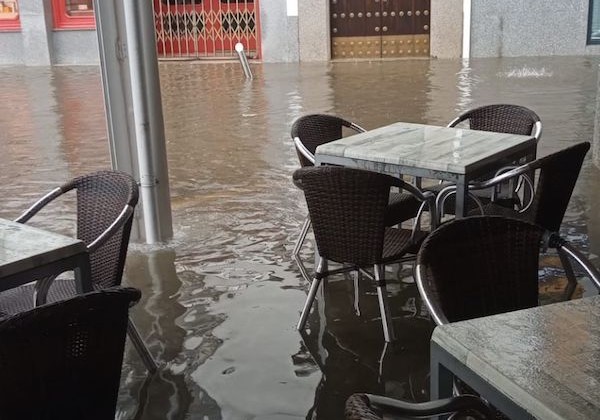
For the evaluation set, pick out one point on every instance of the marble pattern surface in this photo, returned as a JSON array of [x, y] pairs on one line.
[[453, 150], [545, 359], [23, 247]]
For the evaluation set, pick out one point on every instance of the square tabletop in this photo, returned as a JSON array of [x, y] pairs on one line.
[[24, 247], [545, 360], [426, 147]]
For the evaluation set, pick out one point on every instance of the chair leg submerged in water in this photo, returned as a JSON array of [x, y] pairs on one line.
[[140, 347], [347, 208]]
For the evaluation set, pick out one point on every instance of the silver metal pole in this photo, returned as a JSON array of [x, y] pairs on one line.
[[596, 136], [148, 120], [110, 29], [239, 48]]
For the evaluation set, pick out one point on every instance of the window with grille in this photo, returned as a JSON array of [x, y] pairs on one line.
[[73, 14], [9, 15]]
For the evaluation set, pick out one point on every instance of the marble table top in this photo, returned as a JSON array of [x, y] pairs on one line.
[[24, 247], [546, 359], [454, 150]]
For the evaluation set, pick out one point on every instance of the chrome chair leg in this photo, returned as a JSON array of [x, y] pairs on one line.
[[570, 274], [355, 279], [314, 287], [302, 237], [384, 307], [140, 347]]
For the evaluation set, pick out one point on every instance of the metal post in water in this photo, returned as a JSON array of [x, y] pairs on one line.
[[148, 120], [596, 137], [239, 48]]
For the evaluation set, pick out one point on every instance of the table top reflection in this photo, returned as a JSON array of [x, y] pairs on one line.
[[406, 147], [25, 248]]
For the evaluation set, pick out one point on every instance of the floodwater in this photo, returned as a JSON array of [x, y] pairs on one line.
[[221, 300]]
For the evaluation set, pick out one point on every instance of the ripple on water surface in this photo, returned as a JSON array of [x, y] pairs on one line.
[[221, 300]]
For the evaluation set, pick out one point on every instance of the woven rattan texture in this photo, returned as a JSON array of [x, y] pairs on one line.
[[101, 197], [358, 408], [558, 174], [481, 265], [314, 130], [347, 208], [63, 360], [501, 118]]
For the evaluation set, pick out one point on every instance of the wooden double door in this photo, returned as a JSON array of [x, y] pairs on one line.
[[379, 28]]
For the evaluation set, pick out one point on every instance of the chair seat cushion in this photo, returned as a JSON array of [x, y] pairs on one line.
[[401, 207], [20, 299]]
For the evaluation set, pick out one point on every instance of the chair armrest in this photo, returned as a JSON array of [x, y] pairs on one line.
[[421, 195], [460, 403], [427, 199], [502, 175], [38, 205], [123, 217], [357, 127], [436, 313], [537, 130], [303, 150], [563, 246]]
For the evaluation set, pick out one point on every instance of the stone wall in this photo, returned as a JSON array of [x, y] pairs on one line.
[[446, 28], [511, 28], [278, 31]]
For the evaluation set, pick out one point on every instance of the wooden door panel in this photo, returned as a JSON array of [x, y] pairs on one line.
[[395, 17], [421, 16], [379, 28], [355, 28], [348, 18]]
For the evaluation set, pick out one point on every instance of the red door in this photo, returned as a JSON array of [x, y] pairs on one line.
[[206, 28]]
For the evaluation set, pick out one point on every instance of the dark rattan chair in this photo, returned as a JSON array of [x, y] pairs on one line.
[[63, 360], [313, 130], [544, 202], [499, 118], [375, 407], [485, 265], [347, 208], [105, 203]]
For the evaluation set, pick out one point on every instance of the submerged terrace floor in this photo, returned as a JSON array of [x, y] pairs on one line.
[[221, 300]]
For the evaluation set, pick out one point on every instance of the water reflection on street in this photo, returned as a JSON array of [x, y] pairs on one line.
[[220, 301]]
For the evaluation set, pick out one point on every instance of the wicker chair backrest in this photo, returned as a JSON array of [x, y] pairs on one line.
[[558, 173], [347, 209], [481, 265], [501, 118], [101, 196], [63, 360], [314, 130]]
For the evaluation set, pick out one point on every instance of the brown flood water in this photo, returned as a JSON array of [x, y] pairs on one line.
[[221, 300]]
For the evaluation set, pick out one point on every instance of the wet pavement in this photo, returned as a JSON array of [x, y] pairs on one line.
[[222, 298]]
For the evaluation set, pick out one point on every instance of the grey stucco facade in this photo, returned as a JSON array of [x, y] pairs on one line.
[[37, 44], [511, 28], [498, 29]]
